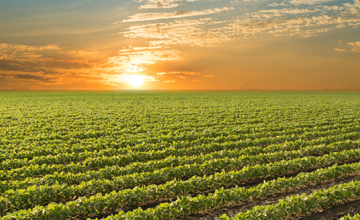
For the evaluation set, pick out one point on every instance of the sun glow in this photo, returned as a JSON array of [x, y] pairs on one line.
[[135, 80]]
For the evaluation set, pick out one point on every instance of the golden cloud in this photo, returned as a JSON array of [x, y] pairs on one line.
[[158, 5], [277, 22], [340, 50], [309, 2], [134, 62], [18, 47], [161, 4], [355, 45], [175, 14], [192, 32]]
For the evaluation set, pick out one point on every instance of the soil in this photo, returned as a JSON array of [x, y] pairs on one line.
[[334, 212], [231, 210]]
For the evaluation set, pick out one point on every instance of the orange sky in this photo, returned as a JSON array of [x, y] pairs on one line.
[[180, 45]]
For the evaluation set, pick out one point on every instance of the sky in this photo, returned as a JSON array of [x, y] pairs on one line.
[[180, 45]]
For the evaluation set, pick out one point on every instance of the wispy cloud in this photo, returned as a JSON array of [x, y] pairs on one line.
[[274, 4], [284, 11], [175, 14], [18, 47], [161, 4], [200, 32], [288, 21], [158, 5], [134, 62], [355, 46], [340, 50], [309, 2]]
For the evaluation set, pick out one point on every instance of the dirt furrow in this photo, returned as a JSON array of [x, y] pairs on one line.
[[246, 184], [231, 210]]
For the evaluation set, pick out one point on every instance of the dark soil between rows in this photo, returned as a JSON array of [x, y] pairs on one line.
[[333, 213], [218, 212]]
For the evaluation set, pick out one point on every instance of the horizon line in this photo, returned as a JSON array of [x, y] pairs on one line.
[[179, 90]]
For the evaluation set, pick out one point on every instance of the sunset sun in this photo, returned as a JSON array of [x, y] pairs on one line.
[[135, 80]]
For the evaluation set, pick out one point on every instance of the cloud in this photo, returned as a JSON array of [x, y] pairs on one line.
[[199, 32], [355, 46], [51, 65], [147, 48], [18, 47], [289, 21], [278, 4], [83, 53], [18, 51], [32, 77], [161, 4], [158, 5], [133, 62], [39, 65], [340, 50], [175, 14], [309, 2], [284, 22], [352, 8], [333, 7], [279, 12]]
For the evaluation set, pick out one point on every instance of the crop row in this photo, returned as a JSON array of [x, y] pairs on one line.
[[303, 203], [65, 158], [37, 195], [149, 166], [121, 141], [348, 217], [39, 155], [12, 134], [190, 205], [71, 130], [164, 133], [123, 160], [95, 204]]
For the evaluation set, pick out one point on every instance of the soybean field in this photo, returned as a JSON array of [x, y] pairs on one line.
[[179, 155]]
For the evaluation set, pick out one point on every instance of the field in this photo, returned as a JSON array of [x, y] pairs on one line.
[[157, 155]]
